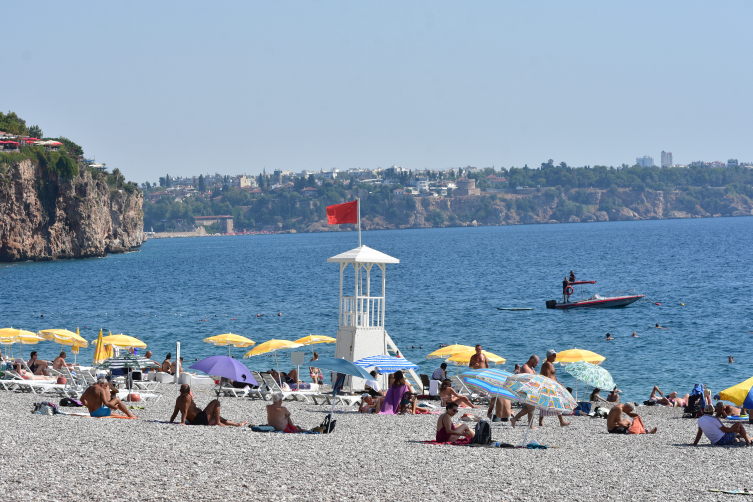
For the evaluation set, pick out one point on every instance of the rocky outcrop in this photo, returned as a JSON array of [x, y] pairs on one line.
[[45, 217]]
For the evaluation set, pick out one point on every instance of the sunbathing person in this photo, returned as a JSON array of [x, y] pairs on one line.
[[368, 404], [186, 406], [726, 410], [670, 399], [30, 376], [37, 366], [502, 410], [59, 362], [278, 416], [595, 396], [446, 431], [448, 394], [614, 396], [167, 365], [100, 402], [399, 395], [616, 425], [717, 433]]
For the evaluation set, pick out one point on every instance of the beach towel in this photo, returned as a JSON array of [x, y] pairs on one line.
[[460, 442], [392, 400], [420, 411], [637, 426]]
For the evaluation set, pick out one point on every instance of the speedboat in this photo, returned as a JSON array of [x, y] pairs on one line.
[[608, 301]]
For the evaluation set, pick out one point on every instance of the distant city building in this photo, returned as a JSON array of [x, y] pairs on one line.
[[732, 163], [466, 187], [645, 161], [225, 221], [666, 159], [421, 183]]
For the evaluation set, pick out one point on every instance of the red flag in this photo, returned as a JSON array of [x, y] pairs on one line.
[[342, 213]]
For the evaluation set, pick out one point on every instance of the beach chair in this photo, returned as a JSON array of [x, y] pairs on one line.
[[425, 383], [273, 387], [74, 385], [34, 386], [226, 389], [461, 389]]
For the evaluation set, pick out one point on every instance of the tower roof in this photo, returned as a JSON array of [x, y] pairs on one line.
[[363, 254]]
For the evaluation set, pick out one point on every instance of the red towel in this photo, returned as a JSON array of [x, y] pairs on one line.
[[637, 426], [460, 442]]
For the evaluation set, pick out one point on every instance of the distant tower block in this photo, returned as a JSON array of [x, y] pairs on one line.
[[361, 332]]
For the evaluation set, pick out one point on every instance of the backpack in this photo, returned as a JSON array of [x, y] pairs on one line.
[[45, 408], [67, 401], [695, 406], [326, 427], [483, 433]]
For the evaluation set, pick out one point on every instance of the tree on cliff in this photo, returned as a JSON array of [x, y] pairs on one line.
[[35, 132], [202, 184], [12, 123]]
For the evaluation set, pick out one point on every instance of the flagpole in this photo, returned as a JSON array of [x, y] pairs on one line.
[[358, 205]]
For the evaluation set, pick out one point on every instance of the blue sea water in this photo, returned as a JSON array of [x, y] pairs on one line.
[[446, 289]]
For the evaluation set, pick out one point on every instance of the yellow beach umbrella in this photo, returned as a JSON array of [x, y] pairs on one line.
[[737, 393], [271, 346], [123, 341], [230, 340], [63, 337], [446, 352], [313, 339], [575, 355], [465, 357], [100, 352], [9, 336]]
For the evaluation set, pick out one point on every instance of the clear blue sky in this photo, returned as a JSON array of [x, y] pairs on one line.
[[187, 88]]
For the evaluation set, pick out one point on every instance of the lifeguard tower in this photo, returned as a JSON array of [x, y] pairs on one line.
[[361, 332]]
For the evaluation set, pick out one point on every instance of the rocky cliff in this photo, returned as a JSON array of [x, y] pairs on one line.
[[46, 217]]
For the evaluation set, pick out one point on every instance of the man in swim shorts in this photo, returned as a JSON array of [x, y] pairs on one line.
[[615, 423], [278, 416], [186, 406], [99, 403]]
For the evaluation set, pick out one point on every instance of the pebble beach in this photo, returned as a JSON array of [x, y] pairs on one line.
[[368, 457]]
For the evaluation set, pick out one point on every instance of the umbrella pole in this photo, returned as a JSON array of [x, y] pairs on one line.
[[525, 440]]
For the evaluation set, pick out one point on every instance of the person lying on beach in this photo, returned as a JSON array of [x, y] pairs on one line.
[[726, 410], [501, 409], [670, 399], [99, 401], [278, 416], [616, 425], [446, 431], [448, 394], [614, 396], [37, 366], [595, 397], [716, 432], [186, 406], [30, 376], [59, 362]]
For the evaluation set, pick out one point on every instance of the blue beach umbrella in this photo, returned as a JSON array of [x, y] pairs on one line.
[[490, 381], [386, 364]]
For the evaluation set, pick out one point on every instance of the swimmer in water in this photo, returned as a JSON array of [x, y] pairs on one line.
[[731, 360], [609, 337], [659, 327], [635, 335]]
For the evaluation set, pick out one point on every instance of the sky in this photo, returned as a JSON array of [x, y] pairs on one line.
[[185, 88]]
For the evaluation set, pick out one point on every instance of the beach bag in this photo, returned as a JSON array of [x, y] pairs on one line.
[[600, 412], [45, 408], [695, 406], [67, 401], [326, 427], [483, 433]]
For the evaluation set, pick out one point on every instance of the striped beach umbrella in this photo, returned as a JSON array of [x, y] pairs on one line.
[[490, 381], [128, 361], [386, 364], [540, 392]]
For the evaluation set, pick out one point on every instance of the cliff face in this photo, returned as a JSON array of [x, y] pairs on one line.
[[44, 217]]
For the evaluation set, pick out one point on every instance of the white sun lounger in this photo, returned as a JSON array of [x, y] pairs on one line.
[[273, 387]]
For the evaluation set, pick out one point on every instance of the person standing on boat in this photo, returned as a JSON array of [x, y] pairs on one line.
[[565, 285], [572, 276]]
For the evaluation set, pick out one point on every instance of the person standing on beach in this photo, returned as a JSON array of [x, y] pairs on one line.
[[547, 370], [530, 368], [478, 360]]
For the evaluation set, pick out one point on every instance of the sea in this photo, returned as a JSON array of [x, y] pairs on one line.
[[447, 288]]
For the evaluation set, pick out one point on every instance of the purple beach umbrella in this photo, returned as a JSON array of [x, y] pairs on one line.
[[226, 367]]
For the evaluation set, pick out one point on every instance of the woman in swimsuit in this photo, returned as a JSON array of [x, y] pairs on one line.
[[446, 431], [448, 394]]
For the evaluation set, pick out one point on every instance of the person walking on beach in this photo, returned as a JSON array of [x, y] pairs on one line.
[[547, 370], [530, 368], [478, 360], [99, 402]]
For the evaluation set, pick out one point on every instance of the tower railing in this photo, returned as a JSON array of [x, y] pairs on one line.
[[362, 311]]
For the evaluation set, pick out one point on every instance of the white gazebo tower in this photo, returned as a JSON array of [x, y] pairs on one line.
[[361, 330]]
